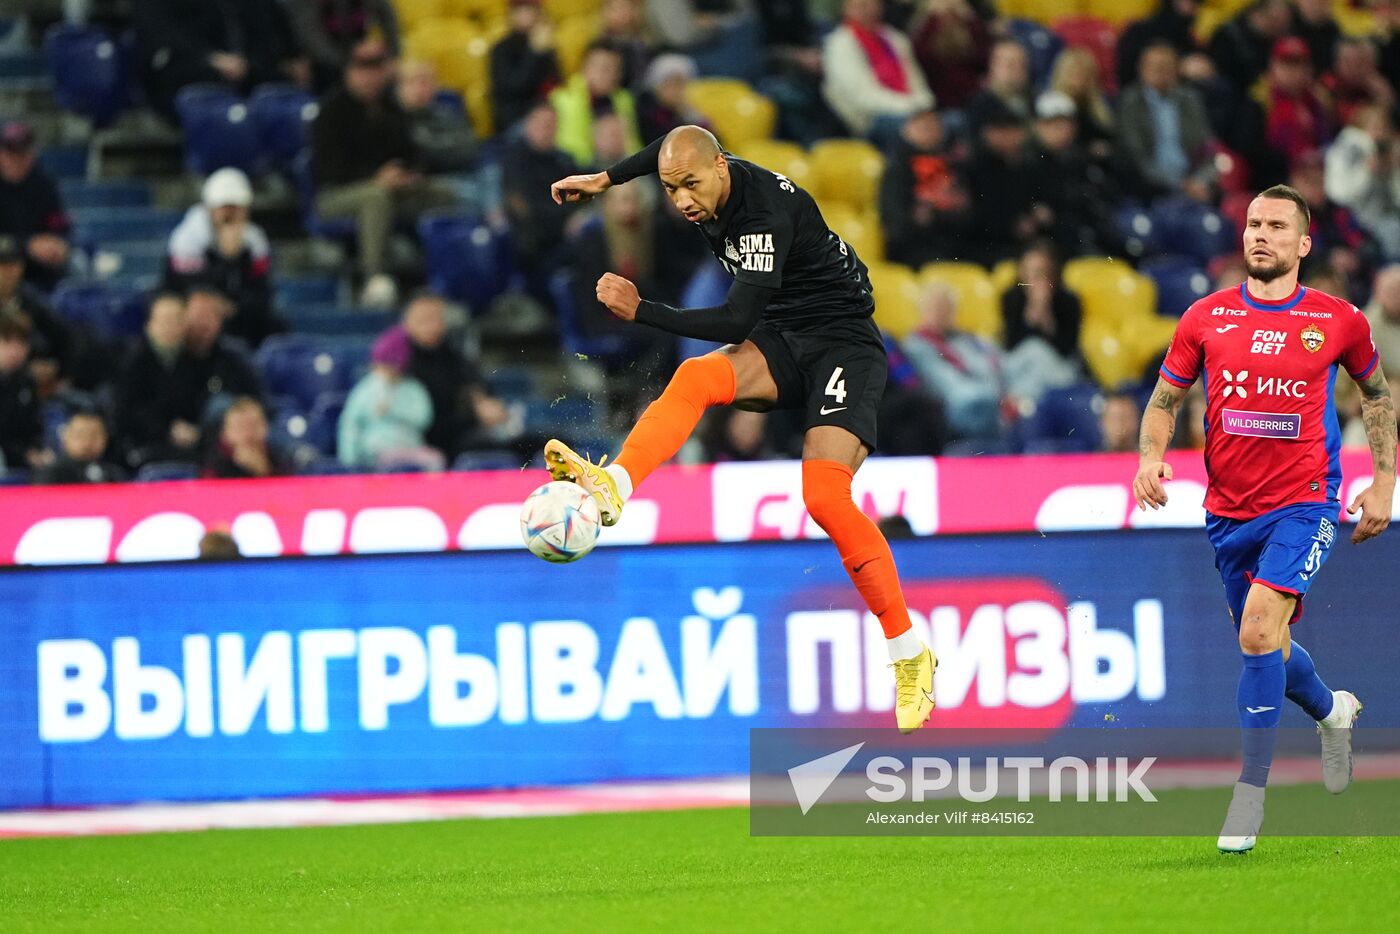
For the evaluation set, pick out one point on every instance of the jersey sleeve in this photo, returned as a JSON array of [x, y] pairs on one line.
[[1359, 355], [1183, 363], [763, 244]]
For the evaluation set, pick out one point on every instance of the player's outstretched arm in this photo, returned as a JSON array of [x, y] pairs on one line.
[[586, 187], [729, 323], [1378, 415], [1158, 425]]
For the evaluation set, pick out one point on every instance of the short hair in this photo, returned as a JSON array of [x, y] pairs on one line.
[[602, 45], [244, 402], [84, 411], [1289, 193], [162, 296], [14, 327]]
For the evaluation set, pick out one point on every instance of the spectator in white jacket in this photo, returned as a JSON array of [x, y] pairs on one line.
[[873, 82], [1363, 175]]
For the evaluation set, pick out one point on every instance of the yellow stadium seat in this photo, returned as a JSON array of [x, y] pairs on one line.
[[897, 293], [562, 9], [1110, 358], [483, 11], [1120, 12], [1111, 291], [1003, 276], [572, 37], [860, 229], [786, 159], [466, 65], [1148, 337], [411, 13], [848, 171], [1208, 20], [979, 303], [736, 112], [1354, 22], [1042, 11]]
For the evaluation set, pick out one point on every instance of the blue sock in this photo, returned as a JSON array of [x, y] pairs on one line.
[[1258, 700], [1304, 687]]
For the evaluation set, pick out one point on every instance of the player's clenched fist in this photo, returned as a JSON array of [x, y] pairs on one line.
[[580, 187], [619, 295], [1147, 485]]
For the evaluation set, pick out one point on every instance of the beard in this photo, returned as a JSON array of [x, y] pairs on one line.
[[1266, 270]]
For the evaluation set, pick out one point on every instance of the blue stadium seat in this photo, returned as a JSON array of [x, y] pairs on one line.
[[451, 100], [282, 115], [339, 321], [64, 161], [1064, 421], [218, 128], [166, 470], [1042, 48], [496, 459], [96, 226], [109, 310], [305, 290], [1138, 230], [1181, 280], [23, 65], [324, 420], [305, 368], [138, 258], [466, 258], [511, 382], [91, 72], [14, 476], [324, 467], [1195, 228], [571, 335], [79, 193]]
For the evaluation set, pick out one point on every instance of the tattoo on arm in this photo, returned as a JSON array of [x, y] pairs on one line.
[[1165, 398], [1378, 415]]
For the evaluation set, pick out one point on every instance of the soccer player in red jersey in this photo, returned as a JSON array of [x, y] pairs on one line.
[[1268, 353]]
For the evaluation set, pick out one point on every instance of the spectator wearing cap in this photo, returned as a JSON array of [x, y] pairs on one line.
[[1006, 211], [21, 429], [524, 66], [926, 211], [1174, 23], [663, 106], [367, 167], [596, 90], [1007, 88], [53, 342], [387, 415], [329, 30], [31, 210], [160, 396], [82, 456], [217, 245], [241, 43], [1363, 174], [1240, 47], [872, 80], [242, 451], [1162, 129], [1075, 189], [1299, 119]]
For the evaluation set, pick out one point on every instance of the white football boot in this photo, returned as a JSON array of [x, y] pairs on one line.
[[1336, 741], [1243, 820]]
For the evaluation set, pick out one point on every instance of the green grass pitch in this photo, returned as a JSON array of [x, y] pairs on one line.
[[688, 871]]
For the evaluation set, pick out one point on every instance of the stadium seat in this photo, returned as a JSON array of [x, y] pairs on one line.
[[134, 259], [736, 112], [847, 171], [305, 290], [979, 303], [166, 470], [1231, 168], [1112, 359], [334, 320], [1201, 230], [1066, 418], [1042, 46], [218, 129], [91, 73], [1110, 290], [1099, 37], [338, 228], [466, 258], [323, 421], [897, 293], [786, 159], [1137, 230], [79, 193], [1120, 12], [412, 13], [1234, 207], [305, 368], [1040, 11], [860, 229], [1003, 276], [484, 12], [64, 161], [562, 9], [571, 335], [108, 310], [1180, 280], [572, 36], [282, 114], [494, 459], [96, 226]]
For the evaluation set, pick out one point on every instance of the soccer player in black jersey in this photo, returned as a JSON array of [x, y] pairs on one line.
[[798, 329]]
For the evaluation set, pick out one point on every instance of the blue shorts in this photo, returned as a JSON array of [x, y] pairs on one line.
[[1283, 550]]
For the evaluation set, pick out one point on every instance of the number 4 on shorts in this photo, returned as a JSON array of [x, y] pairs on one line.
[[836, 386]]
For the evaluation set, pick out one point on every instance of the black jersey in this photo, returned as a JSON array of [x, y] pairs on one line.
[[770, 233]]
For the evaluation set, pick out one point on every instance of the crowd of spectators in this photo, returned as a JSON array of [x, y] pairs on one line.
[[992, 153]]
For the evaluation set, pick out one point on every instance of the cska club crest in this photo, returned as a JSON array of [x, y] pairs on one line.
[[1312, 338]]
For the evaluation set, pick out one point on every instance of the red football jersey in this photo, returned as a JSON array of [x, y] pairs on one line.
[[1268, 369]]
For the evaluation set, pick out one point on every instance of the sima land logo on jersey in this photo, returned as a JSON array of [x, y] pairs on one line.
[[754, 253]]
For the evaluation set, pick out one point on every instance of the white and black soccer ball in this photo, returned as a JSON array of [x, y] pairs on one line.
[[559, 522]]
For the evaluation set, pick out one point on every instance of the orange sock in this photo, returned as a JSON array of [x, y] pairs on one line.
[[699, 383], [826, 489]]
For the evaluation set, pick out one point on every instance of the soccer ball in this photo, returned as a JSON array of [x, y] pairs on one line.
[[559, 522]]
